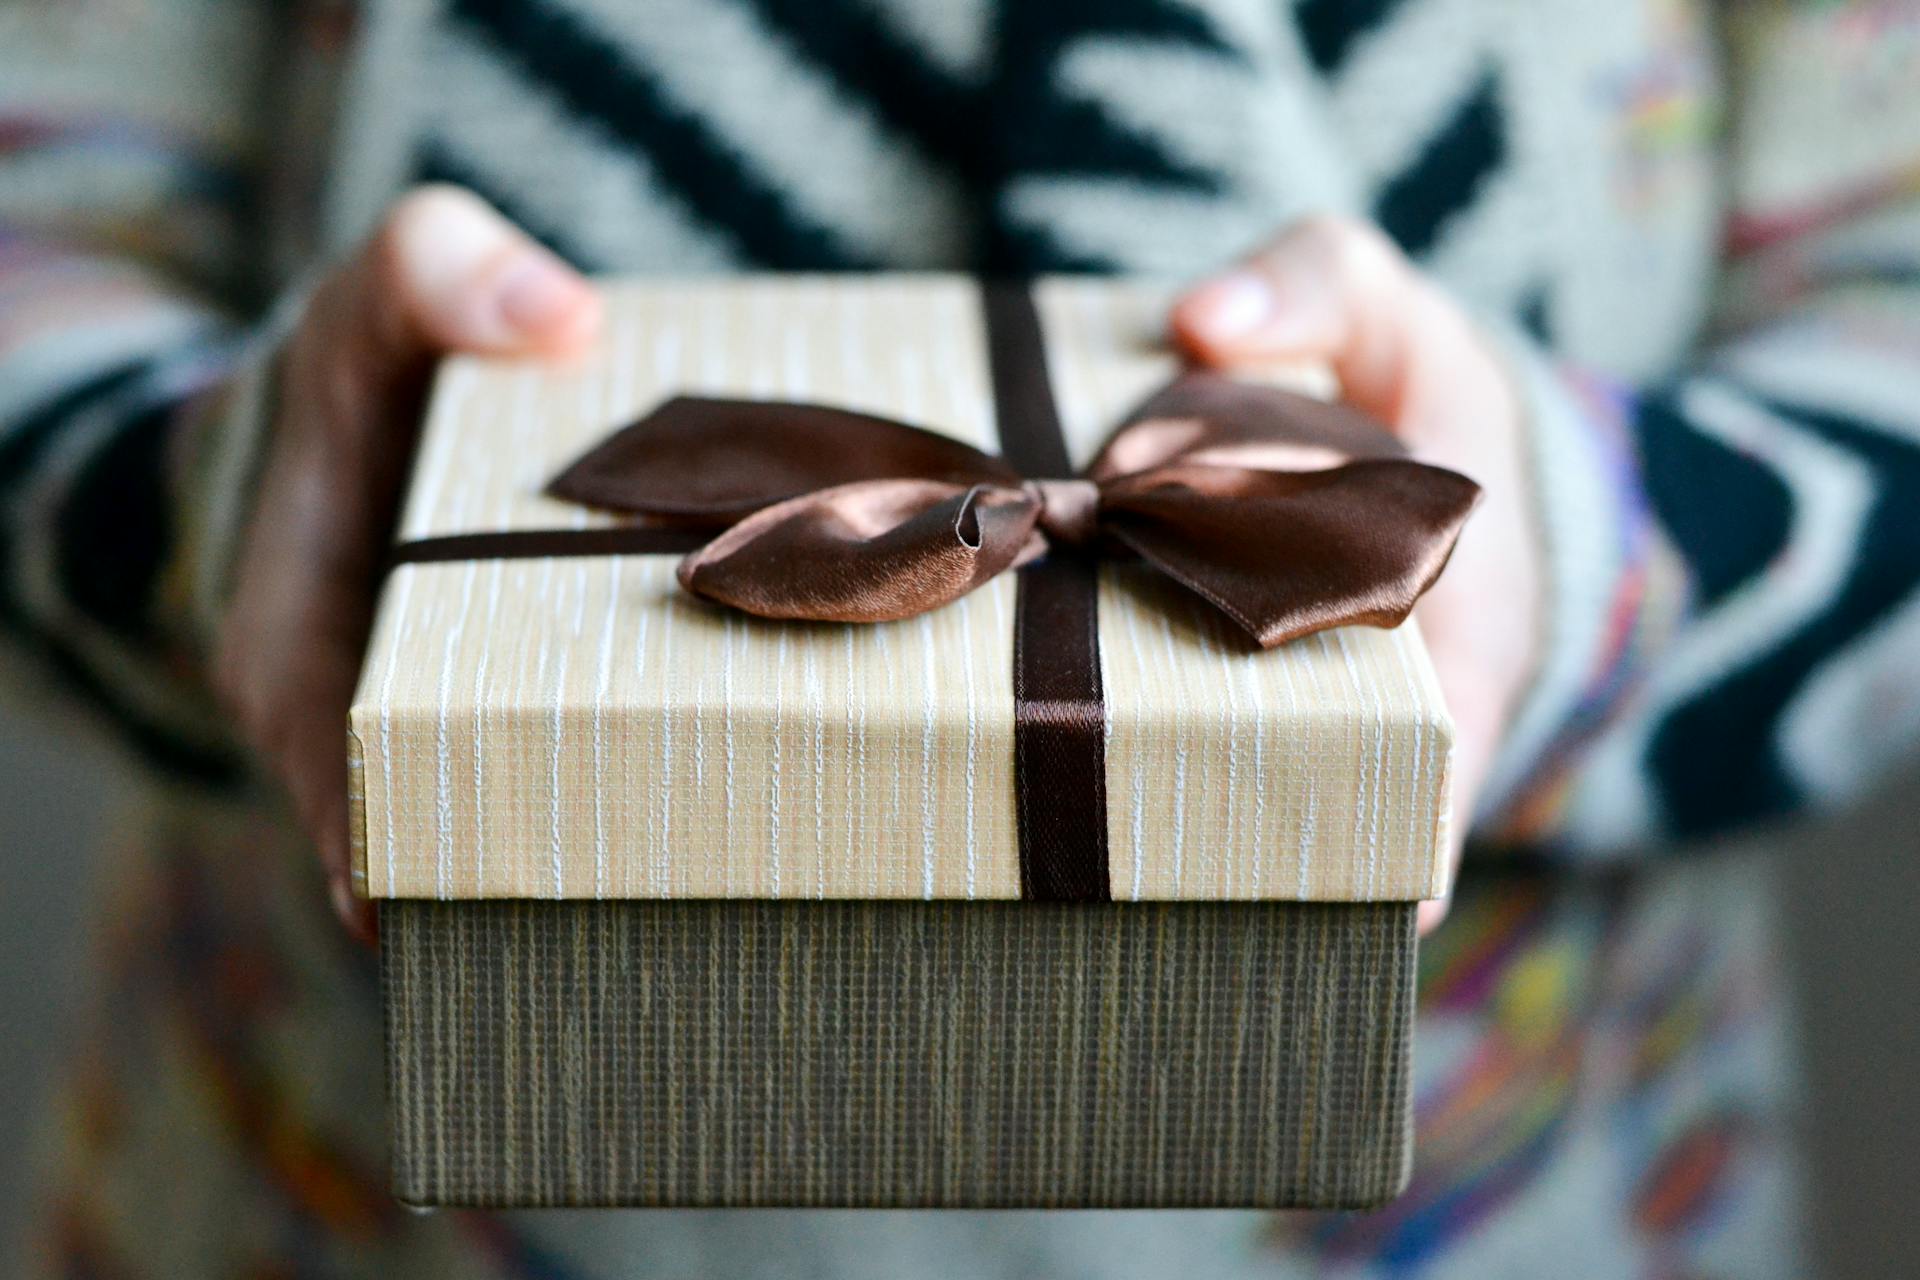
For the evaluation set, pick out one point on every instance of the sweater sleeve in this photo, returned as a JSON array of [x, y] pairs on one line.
[[131, 392], [1734, 552]]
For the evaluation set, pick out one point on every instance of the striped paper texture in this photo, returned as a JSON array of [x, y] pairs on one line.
[[899, 1053], [578, 728]]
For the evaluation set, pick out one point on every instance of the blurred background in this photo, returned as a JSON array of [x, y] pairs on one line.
[[1641, 115], [1850, 890]]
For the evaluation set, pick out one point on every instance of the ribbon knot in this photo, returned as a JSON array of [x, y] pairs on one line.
[[1069, 510], [1288, 514]]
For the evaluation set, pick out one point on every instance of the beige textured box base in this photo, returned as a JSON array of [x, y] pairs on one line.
[[706, 1053]]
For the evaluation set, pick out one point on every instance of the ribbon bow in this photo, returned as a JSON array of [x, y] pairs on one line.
[[1288, 514]]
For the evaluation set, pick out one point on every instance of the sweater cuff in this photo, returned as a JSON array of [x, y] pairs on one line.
[[223, 436]]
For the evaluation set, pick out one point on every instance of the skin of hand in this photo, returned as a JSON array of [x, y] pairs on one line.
[[444, 273], [1340, 292]]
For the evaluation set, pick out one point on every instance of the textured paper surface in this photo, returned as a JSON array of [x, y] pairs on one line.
[[899, 1053], [578, 728]]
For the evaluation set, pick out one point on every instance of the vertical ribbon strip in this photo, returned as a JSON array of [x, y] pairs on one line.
[[1059, 707]]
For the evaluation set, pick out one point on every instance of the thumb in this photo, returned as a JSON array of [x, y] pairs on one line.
[[446, 272], [1329, 289], [443, 273]]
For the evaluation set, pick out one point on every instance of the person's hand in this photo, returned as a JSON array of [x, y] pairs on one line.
[[1339, 291], [444, 273]]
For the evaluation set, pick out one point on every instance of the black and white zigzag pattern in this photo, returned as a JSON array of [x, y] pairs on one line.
[[1795, 503], [1108, 135], [1151, 135], [1079, 134], [85, 530]]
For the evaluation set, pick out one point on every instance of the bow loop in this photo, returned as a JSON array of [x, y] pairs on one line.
[[1208, 419], [712, 461], [872, 551], [1290, 515]]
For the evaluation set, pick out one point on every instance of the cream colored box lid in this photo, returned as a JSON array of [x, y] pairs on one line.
[[579, 728]]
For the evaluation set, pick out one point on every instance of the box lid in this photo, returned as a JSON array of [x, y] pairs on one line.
[[580, 728]]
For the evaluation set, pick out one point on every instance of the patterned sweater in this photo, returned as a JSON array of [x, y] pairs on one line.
[[1723, 395], [1693, 231]]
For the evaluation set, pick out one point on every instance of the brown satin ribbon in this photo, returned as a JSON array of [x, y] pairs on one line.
[[530, 544], [1288, 514], [1059, 707]]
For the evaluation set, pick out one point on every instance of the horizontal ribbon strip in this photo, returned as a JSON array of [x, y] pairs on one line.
[[533, 544]]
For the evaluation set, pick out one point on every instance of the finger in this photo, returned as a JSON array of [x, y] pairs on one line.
[[446, 272], [293, 711], [1429, 914], [356, 914], [1478, 719], [450, 273], [1328, 289]]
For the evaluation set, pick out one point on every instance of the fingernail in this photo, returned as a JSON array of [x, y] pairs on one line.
[[540, 296], [1231, 307]]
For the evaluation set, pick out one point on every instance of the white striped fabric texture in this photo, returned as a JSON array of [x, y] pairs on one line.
[[579, 728]]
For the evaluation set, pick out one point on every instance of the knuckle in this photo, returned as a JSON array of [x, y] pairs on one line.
[[1355, 249], [420, 209], [1326, 228], [428, 267], [411, 223]]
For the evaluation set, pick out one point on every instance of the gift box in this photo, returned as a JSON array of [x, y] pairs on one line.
[[759, 868]]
